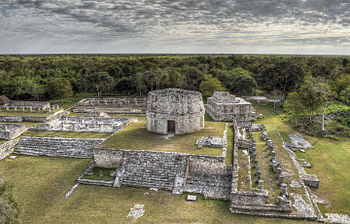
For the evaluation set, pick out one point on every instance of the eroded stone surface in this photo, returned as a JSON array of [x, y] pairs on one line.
[[298, 141], [174, 110], [301, 206], [337, 218], [137, 211]]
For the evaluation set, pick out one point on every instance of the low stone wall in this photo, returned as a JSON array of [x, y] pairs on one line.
[[84, 124], [11, 131], [176, 172], [33, 104], [57, 146], [7, 148], [95, 182], [113, 105]]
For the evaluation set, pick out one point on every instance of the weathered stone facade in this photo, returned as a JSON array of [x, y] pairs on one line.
[[174, 110], [84, 124], [20, 104], [7, 148], [176, 172], [223, 106], [11, 131], [57, 146], [111, 105]]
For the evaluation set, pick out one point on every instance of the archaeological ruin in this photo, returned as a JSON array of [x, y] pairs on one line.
[[174, 111], [257, 181], [223, 106], [112, 105], [84, 124]]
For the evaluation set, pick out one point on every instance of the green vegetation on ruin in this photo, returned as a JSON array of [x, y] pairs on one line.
[[40, 183], [65, 134], [229, 149], [135, 136]]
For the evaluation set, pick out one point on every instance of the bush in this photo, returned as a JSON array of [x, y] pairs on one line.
[[345, 96]]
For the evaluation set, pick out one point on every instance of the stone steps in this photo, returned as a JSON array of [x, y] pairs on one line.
[[57, 147]]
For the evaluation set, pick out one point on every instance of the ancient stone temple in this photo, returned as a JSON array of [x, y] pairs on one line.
[[223, 106], [174, 111]]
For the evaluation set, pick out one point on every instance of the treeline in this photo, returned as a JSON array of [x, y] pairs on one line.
[[53, 77]]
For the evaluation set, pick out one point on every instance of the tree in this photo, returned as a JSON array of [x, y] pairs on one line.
[[315, 93], [243, 85], [100, 80], [285, 75], [345, 96], [59, 88], [294, 105], [209, 85]]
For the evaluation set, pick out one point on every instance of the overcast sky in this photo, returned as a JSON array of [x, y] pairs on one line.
[[175, 26]]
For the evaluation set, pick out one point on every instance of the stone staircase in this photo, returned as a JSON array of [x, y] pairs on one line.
[[57, 147]]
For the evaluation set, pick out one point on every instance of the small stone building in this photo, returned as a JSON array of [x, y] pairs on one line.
[[223, 106], [174, 111]]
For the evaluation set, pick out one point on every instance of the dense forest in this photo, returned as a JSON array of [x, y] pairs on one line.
[[306, 84]]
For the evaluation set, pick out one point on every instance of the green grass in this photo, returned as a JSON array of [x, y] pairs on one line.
[[40, 183], [229, 150], [267, 175], [65, 134], [135, 136], [329, 160], [243, 172], [24, 114], [2, 141]]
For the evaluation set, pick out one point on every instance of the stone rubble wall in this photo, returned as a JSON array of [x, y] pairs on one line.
[[176, 172], [34, 104], [84, 124], [7, 148], [11, 131], [112, 105], [51, 116], [57, 146]]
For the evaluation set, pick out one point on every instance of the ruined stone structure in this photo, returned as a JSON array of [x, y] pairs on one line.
[[174, 111], [223, 106], [11, 131], [84, 124], [7, 148], [57, 146], [4, 100], [112, 105], [28, 105]]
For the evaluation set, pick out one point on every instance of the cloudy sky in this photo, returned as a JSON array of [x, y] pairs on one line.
[[175, 26]]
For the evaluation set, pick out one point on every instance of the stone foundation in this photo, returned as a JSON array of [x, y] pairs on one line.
[[84, 124], [11, 131], [57, 147], [7, 148]]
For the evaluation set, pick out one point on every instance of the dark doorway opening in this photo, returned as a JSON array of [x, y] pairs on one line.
[[171, 126]]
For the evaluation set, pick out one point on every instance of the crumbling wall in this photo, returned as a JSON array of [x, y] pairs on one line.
[[176, 172], [11, 131], [84, 124], [57, 146], [7, 148]]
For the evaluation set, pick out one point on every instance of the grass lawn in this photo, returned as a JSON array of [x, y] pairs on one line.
[[329, 160], [65, 134], [135, 136], [40, 183], [27, 124], [229, 150], [2, 141]]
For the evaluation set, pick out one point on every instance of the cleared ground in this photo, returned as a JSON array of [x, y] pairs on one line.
[[135, 136], [39, 185], [28, 114]]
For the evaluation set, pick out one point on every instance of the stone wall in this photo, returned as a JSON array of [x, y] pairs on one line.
[[33, 104], [112, 105], [11, 131], [7, 148], [57, 146], [175, 172], [183, 108], [84, 124], [225, 107]]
